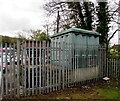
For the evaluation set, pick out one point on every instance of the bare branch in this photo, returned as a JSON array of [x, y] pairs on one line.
[[117, 22], [113, 35]]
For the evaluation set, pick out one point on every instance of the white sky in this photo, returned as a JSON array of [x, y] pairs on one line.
[[18, 15]]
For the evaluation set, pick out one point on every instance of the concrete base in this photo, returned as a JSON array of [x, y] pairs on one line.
[[82, 74]]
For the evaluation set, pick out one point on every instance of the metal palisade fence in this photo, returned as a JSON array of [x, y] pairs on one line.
[[32, 67]]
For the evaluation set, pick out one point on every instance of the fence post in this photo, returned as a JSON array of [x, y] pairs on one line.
[[29, 57], [43, 65], [1, 74], [14, 68], [32, 67], [105, 60], [25, 68], [36, 67], [18, 68], [56, 50], [10, 72], [51, 52], [48, 66], [59, 50], [63, 66], [6, 71], [40, 66]]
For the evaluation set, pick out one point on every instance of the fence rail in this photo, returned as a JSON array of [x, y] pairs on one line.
[[32, 67]]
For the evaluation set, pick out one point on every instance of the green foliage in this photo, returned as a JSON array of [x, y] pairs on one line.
[[118, 50], [89, 8], [114, 52], [39, 36], [104, 19], [7, 39], [114, 57]]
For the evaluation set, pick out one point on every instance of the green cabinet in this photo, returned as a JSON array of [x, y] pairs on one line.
[[73, 47]]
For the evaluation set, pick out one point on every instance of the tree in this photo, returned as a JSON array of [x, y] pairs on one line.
[[115, 14], [106, 16], [10, 40], [103, 21], [84, 15], [39, 36], [72, 14], [84, 11]]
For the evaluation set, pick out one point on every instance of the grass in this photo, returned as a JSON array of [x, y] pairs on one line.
[[109, 93], [99, 90]]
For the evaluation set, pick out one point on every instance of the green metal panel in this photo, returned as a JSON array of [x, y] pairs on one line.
[[77, 31], [78, 38]]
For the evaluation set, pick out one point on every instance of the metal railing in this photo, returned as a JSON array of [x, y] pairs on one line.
[[32, 67]]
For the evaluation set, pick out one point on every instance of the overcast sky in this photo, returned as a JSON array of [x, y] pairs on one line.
[[18, 15]]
